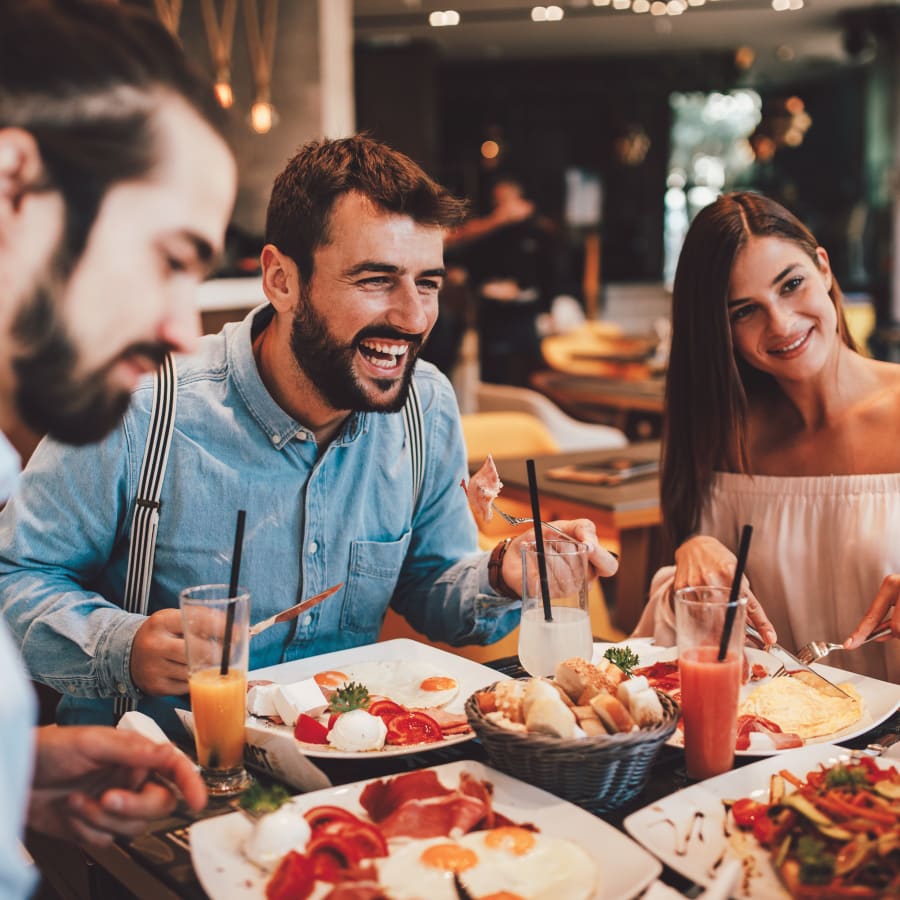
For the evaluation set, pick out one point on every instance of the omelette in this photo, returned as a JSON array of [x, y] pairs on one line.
[[799, 708]]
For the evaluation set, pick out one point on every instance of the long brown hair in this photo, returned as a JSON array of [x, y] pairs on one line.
[[708, 386]]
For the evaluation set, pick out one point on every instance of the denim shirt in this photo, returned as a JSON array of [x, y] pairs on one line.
[[315, 517]]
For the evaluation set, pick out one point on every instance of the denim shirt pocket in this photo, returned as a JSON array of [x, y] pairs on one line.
[[373, 572]]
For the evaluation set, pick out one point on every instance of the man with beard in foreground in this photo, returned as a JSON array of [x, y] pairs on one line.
[[115, 188], [293, 415]]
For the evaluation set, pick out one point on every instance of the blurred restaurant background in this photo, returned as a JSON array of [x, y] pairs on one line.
[[615, 119]]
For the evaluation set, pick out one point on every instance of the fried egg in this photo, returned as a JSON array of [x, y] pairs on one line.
[[796, 706], [425, 869], [409, 683], [514, 861]]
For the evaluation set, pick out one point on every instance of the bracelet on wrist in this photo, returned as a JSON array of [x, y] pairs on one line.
[[495, 571]]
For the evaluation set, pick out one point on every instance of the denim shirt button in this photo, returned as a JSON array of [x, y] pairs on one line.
[[121, 688], [306, 620], [301, 435], [313, 548], [276, 438]]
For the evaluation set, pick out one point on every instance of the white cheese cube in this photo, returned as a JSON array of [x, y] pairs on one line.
[[261, 700], [631, 686], [300, 697]]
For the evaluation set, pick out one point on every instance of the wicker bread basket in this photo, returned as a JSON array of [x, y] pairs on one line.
[[598, 773]]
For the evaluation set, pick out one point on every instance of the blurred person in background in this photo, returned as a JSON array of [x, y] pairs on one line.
[[509, 257], [116, 185], [773, 419]]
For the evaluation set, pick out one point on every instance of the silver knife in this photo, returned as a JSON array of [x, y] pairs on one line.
[[293, 611], [797, 669]]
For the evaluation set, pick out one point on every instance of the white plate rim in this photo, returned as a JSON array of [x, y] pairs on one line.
[[881, 698], [751, 780], [470, 675], [626, 868]]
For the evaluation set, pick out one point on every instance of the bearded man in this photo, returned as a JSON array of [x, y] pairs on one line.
[[292, 415], [116, 185]]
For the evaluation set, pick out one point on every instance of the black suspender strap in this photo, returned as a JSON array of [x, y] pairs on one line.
[[415, 438], [142, 547]]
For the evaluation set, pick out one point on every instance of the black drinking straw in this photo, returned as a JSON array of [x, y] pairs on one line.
[[731, 612], [233, 589], [539, 540]]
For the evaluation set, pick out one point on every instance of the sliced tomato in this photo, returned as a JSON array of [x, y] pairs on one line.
[[321, 816], [746, 811], [413, 728], [310, 730], [333, 856], [293, 879], [386, 709], [367, 837]]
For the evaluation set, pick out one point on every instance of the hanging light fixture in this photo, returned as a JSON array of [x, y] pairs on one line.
[[220, 37], [169, 13], [261, 41]]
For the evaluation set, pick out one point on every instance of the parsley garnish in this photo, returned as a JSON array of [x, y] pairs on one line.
[[816, 865], [623, 657], [258, 799], [350, 696]]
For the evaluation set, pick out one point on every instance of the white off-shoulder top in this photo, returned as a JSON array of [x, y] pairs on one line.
[[821, 547]]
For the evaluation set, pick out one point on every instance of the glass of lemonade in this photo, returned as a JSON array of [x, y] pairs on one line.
[[544, 643], [710, 688], [216, 634]]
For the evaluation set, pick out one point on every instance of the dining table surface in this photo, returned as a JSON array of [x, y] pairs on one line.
[[157, 865], [631, 510]]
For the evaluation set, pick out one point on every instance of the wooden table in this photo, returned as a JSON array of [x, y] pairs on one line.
[[635, 405], [631, 509]]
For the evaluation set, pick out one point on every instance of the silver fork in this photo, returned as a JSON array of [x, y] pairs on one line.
[[814, 650], [527, 520]]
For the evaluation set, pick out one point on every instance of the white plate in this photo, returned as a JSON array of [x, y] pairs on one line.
[[881, 698], [471, 676], [625, 868], [699, 808]]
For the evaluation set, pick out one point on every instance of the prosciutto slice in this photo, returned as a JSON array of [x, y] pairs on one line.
[[482, 490], [782, 740]]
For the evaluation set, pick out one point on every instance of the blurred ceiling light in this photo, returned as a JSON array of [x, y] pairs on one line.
[[263, 117], [781, 5], [441, 18], [794, 105], [658, 8], [546, 14], [224, 94], [621, 4], [696, 2], [490, 149], [641, 6], [602, 2], [675, 7], [744, 57], [784, 53]]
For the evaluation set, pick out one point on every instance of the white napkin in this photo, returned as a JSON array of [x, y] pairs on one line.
[[143, 725]]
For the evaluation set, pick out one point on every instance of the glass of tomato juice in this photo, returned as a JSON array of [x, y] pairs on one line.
[[710, 687], [216, 635]]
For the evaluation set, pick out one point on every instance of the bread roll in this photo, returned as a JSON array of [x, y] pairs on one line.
[[576, 674], [646, 708], [508, 699], [549, 715], [612, 713], [631, 686], [536, 688], [592, 727], [613, 675]]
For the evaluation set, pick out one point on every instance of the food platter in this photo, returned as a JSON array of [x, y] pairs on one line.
[[625, 868], [881, 698], [686, 830], [469, 675]]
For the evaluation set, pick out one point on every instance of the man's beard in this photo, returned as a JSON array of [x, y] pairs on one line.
[[49, 397], [329, 365]]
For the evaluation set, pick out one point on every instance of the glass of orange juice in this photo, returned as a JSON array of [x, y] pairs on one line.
[[216, 635], [710, 687]]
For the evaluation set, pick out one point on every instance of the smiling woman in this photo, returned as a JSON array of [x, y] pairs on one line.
[[773, 419]]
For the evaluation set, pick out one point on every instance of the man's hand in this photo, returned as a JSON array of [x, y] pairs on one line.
[[884, 608], [602, 562], [158, 656], [702, 560], [91, 783]]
